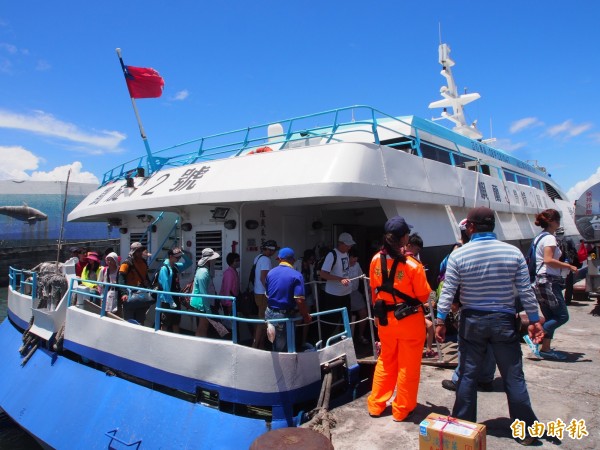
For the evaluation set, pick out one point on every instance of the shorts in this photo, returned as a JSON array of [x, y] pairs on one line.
[[167, 319], [261, 302]]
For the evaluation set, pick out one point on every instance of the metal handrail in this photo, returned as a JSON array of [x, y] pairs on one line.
[[236, 146], [234, 318], [18, 279]]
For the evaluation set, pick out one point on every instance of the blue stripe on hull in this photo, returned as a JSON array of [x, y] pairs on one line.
[[69, 405], [188, 384], [17, 320]]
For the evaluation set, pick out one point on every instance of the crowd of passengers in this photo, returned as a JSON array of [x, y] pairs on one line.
[[333, 277]]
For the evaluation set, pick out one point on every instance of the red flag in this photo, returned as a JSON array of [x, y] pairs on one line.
[[143, 82]]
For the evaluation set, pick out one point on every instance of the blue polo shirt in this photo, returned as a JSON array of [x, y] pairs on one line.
[[283, 285]]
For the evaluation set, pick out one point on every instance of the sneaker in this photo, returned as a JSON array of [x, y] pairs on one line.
[[535, 348], [554, 355], [449, 384], [408, 416]]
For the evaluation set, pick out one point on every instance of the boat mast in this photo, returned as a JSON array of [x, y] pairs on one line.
[[62, 220], [453, 100]]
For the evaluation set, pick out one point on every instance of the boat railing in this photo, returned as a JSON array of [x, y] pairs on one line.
[[338, 123], [78, 289], [19, 279]]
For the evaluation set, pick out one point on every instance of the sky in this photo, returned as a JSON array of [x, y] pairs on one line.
[[232, 64]]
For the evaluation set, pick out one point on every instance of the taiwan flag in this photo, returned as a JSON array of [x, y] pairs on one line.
[[143, 82]]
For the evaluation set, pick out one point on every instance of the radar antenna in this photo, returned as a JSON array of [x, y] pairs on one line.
[[453, 100]]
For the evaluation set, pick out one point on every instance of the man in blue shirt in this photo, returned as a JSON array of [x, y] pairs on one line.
[[285, 291], [489, 272]]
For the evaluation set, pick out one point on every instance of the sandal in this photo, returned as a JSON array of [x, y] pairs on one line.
[[430, 354], [553, 354]]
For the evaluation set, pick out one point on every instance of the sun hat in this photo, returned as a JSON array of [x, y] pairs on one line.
[[137, 246], [346, 238], [397, 226], [208, 254]]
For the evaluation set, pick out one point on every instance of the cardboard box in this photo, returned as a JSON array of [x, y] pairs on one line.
[[438, 432]]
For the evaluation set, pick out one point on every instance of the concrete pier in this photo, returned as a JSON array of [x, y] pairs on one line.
[[563, 390]]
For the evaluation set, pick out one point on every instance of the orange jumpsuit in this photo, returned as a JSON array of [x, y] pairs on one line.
[[399, 363]]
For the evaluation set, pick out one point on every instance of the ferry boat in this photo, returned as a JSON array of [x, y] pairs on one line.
[[96, 380]]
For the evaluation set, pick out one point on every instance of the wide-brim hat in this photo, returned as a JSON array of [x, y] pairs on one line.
[[208, 254], [137, 246]]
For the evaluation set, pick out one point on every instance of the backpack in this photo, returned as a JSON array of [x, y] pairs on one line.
[[530, 259], [319, 264], [252, 275]]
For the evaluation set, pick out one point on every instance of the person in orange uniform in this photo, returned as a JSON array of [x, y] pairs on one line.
[[398, 295]]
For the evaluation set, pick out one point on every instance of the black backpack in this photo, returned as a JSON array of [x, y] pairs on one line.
[[252, 275], [320, 262], [530, 259]]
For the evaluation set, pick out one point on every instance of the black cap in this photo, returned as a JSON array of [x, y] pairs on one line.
[[481, 216], [270, 244], [398, 226]]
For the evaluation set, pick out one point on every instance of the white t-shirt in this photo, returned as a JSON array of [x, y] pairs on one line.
[[262, 263], [357, 301], [340, 269], [547, 241]]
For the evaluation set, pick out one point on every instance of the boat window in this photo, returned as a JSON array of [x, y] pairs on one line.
[[485, 169], [399, 143], [521, 179], [509, 176], [211, 239], [461, 160], [435, 153]]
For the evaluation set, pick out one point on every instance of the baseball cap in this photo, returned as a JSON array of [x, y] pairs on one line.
[[346, 238], [398, 226], [270, 244], [286, 253], [481, 215]]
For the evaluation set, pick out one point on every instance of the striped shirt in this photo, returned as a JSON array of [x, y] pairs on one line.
[[490, 273]]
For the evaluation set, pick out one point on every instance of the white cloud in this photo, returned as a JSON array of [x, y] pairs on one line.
[[522, 124], [42, 65], [40, 122], [507, 145], [9, 48], [60, 174], [182, 95], [19, 163], [568, 129], [575, 192]]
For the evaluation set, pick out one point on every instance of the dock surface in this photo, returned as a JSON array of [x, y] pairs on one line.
[[563, 390]]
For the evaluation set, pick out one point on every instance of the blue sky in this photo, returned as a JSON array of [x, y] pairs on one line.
[[227, 65]]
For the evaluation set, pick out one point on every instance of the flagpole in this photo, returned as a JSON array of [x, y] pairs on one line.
[[139, 120]]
